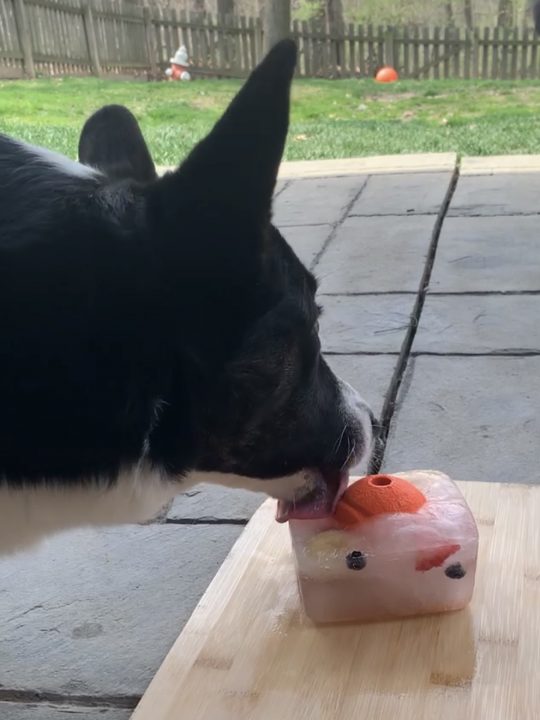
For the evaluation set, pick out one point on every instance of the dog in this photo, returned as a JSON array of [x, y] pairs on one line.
[[160, 332], [112, 141]]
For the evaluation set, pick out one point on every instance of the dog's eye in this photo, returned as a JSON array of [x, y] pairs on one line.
[[356, 560]]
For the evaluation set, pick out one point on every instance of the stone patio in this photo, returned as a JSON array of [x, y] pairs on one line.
[[453, 367]]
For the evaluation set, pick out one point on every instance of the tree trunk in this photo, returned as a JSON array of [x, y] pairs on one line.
[[334, 24], [505, 14], [536, 16], [469, 18], [334, 15], [276, 22], [449, 13], [225, 7]]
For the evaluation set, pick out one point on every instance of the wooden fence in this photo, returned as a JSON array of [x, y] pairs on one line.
[[119, 36], [422, 52]]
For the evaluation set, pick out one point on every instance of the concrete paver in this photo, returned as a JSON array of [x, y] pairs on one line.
[[307, 241], [475, 418], [369, 374], [487, 254], [213, 502], [479, 324], [405, 194], [39, 711], [365, 323], [376, 254], [498, 194], [316, 201], [280, 186], [93, 612]]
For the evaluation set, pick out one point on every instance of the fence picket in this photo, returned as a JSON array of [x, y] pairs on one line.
[[514, 55], [351, 58], [485, 53]]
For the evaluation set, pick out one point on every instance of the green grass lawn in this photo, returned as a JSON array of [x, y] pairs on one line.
[[339, 118]]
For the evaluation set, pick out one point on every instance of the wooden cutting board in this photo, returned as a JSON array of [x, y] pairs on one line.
[[248, 653]]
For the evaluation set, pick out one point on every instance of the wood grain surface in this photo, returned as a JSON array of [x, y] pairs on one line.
[[248, 653]]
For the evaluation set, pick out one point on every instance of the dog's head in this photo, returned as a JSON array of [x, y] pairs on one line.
[[251, 401]]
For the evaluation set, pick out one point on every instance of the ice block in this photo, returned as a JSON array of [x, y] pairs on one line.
[[396, 545]]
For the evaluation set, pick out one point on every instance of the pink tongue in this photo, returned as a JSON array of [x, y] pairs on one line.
[[319, 507], [319, 504]]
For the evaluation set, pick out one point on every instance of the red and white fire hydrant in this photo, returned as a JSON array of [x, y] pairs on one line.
[[179, 66]]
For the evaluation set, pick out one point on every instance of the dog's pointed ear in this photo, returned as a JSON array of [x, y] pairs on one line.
[[230, 176], [111, 141], [245, 147]]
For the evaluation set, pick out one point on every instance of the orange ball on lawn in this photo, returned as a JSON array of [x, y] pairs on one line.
[[387, 75]]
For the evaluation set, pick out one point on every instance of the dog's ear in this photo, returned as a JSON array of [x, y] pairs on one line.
[[221, 196], [111, 141], [240, 158]]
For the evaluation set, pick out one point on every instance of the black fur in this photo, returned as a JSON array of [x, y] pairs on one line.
[[162, 318], [111, 140]]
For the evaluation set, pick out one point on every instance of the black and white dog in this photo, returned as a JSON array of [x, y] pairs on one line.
[[155, 333]]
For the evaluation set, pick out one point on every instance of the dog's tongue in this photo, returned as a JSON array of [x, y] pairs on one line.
[[319, 503]]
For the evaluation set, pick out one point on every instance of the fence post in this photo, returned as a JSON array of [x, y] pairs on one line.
[[389, 48], [91, 41], [150, 41], [259, 31], [25, 39], [475, 53]]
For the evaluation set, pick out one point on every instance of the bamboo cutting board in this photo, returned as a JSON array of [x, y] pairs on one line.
[[248, 653]]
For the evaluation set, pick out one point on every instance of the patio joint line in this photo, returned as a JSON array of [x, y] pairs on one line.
[[286, 184], [394, 214], [54, 698], [208, 520], [335, 226], [514, 353], [368, 353], [406, 347], [483, 293], [432, 353], [455, 213], [288, 226], [367, 293], [434, 293]]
